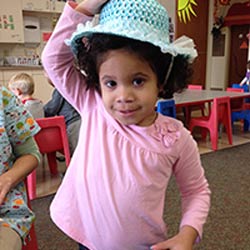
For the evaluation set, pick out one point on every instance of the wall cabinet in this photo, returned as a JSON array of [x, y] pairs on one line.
[[11, 22], [11, 16], [54, 6], [36, 5]]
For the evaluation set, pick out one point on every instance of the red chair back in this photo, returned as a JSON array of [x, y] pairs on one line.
[[234, 89], [51, 138], [198, 87]]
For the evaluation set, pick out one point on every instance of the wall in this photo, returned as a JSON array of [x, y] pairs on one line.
[[170, 6], [218, 66]]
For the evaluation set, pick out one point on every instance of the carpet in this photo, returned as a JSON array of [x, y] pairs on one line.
[[228, 224]]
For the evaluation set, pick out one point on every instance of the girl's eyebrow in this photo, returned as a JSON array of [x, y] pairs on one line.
[[107, 77], [141, 74]]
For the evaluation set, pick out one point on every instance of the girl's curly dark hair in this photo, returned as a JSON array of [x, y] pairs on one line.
[[92, 50]]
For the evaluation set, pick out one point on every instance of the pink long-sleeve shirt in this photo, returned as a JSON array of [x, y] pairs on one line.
[[113, 194]]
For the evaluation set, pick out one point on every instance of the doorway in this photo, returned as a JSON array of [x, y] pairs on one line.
[[238, 53]]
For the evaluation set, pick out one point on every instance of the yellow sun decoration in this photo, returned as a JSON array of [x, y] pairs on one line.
[[185, 9]]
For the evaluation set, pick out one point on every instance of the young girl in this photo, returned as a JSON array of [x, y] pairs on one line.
[[19, 156], [113, 193]]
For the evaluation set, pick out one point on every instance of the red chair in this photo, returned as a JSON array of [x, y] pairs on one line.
[[31, 242], [220, 114], [188, 109], [50, 139], [234, 89]]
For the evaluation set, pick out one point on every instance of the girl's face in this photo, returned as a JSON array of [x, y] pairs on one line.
[[128, 87]]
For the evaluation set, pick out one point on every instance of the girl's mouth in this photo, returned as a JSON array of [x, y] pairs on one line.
[[127, 112]]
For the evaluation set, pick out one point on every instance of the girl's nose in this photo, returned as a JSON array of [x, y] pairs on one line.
[[125, 95]]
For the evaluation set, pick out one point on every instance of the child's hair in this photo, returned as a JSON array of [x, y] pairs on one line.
[[91, 53], [24, 82]]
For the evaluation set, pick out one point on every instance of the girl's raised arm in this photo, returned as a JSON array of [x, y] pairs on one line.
[[90, 7], [57, 57]]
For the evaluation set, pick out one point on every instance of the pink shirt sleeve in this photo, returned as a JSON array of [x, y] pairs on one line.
[[59, 62], [193, 186]]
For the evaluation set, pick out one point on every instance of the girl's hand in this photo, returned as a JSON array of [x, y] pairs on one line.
[[90, 7], [172, 244], [184, 240]]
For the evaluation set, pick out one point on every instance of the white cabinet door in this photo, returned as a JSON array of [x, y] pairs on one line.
[[11, 22], [36, 5], [54, 6]]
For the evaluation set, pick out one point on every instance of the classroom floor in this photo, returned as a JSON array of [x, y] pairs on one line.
[[47, 184]]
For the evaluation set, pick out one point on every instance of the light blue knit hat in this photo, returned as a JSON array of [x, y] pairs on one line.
[[144, 20]]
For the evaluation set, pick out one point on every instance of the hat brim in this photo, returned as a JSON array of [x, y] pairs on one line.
[[184, 47]]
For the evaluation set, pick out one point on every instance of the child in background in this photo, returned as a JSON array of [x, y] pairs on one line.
[[22, 85], [19, 156], [113, 193], [246, 79]]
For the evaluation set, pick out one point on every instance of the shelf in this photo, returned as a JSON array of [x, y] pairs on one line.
[[23, 67], [40, 12]]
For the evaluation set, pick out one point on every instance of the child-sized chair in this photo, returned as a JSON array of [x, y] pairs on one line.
[[220, 114], [167, 107], [237, 86], [50, 139], [239, 110], [246, 88], [188, 109]]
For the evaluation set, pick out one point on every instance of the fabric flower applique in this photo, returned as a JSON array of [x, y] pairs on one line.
[[167, 133]]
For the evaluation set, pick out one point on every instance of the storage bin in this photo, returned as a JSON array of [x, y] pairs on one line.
[[31, 29]]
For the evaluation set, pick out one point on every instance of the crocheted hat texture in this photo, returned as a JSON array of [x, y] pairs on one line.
[[144, 20]]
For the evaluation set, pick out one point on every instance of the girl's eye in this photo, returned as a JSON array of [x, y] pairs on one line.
[[138, 82], [111, 84]]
